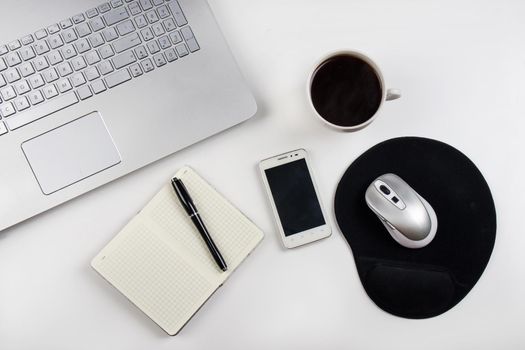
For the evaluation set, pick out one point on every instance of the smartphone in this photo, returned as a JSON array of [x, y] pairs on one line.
[[294, 198]]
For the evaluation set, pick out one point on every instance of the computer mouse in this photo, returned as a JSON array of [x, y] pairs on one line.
[[408, 217]]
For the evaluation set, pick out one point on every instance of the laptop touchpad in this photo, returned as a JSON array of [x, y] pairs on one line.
[[71, 153]]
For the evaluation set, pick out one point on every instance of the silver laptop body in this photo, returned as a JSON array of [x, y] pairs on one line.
[[170, 82]]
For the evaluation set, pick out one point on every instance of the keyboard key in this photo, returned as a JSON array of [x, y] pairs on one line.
[[171, 55], [50, 91], [124, 59], [68, 52], [84, 92], [40, 34], [91, 13], [164, 42], [116, 16], [55, 41], [135, 70], [66, 23], [64, 69], [134, 8], [7, 109], [175, 37], [147, 65], [50, 75], [41, 47], [21, 103], [3, 66], [78, 63], [3, 50], [82, 46], [125, 27], [192, 45], [13, 59], [36, 97], [117, 78], [106, 51], [127, 42], [26, 69], [152, 16], [105, 67], [158, 29], [159, 60], [96, 24], [186, 33], [54, 57], [83, 30], [14, 45], [169, 24], [157, 2], [12, 75], [42, 110], [69, 35], [91, 73], [145, 4], [36, 81], [153, 47], [54, 28], [27, 53], [2, 81], [104, 7], [3, 128], [8, 93], [92, 57], [64, 85], [98, 86], [28, 39], [110, 34], [78, 18], [182, 50], [96, 40], [78, 79], [163, 11], [116, 3], [147, 34], [22, 87], [141, 52], [177, 13], [140, 21]]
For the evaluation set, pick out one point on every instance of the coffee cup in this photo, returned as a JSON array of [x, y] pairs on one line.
[[346, 90]]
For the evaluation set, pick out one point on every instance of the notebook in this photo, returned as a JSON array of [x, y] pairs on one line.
[[159, 260]]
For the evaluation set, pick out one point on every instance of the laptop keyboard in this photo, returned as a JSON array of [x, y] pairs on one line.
[[88, 54]]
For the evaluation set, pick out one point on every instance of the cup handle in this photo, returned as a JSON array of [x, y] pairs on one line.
[[393, 94]]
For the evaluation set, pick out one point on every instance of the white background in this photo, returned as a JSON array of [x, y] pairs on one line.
[[460, 65]]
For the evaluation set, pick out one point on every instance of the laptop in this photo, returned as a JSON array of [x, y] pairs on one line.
[[91, 91]]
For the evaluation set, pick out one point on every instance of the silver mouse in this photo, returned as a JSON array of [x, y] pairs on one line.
[[408, 217]]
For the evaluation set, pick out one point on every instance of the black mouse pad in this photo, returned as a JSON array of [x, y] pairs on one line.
[[425, 282]]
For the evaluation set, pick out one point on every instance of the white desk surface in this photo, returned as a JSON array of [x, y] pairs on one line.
[[460, 65]]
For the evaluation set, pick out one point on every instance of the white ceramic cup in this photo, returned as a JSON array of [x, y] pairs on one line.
[[387, 94]]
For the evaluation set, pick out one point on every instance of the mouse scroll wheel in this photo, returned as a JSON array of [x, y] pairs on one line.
[[384, 189]]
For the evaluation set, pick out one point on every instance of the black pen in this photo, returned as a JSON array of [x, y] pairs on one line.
[[191, 209]]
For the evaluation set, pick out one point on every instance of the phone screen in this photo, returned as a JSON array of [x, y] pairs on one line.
[[294, 195]]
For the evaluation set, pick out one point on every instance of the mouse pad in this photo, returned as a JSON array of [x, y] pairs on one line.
[[425, 282]]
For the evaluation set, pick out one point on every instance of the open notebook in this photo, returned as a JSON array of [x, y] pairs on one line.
[[159, 260]]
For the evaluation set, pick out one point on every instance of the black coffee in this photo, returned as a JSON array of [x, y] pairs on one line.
[[346, 90]]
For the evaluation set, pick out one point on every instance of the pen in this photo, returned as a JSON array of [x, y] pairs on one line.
[[191, 209]]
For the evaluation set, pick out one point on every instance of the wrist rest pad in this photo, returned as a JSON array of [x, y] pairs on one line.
[[419, 283]]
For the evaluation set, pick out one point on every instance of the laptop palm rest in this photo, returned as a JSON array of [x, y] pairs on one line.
[[71, 153]]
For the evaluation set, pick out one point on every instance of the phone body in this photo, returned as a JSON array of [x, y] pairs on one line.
[[294, 198]]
